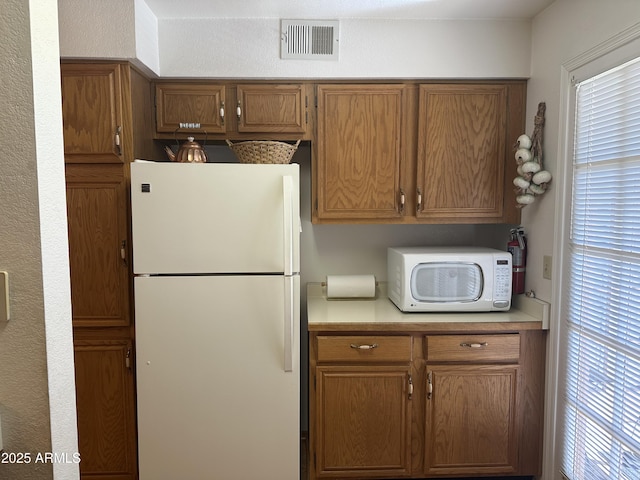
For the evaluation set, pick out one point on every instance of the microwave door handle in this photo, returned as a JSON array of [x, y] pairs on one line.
[[288, 323], [287, 220]]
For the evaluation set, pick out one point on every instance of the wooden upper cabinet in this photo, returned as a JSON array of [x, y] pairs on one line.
[[271, 108], [190, 107], [462, 151], [92, 113], [98, 226], [359, 150]]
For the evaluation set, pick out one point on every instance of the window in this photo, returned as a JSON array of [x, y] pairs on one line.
[[601, 403]]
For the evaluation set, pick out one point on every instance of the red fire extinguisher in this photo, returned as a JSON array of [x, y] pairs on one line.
[[517, 246]]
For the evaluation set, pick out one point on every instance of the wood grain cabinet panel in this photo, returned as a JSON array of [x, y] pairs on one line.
[[272, 108], [359, 152], [106, 421], [92, 113], [364, 348], [363, 422], [97, 226], [474, 348], [191, 107], [461, 151], [471, 420]]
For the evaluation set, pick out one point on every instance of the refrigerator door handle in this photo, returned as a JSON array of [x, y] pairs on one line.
[[288, 323], [287, 192]]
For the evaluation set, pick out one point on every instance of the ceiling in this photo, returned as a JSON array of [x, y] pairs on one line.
[[338, 9]]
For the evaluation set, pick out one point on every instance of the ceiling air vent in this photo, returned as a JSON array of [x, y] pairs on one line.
[[309, 39]]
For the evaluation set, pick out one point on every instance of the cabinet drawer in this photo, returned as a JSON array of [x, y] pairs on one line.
[[473, 348], [357, 348]]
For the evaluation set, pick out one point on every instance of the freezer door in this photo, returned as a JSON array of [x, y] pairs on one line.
[[214, 398], [215, 218]]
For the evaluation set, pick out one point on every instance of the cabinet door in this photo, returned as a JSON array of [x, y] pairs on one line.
[[92, 113], [359, 150], [106, 409], [363, 421], [190, 108], [98, 245], [471, 420], [461, 152], [271, 108]]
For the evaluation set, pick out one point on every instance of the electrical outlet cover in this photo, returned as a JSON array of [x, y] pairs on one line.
[[546, 267]]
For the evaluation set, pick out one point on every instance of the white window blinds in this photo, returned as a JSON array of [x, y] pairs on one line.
[[602, 322]]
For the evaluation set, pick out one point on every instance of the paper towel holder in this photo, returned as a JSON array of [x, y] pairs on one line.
[[351, 287]]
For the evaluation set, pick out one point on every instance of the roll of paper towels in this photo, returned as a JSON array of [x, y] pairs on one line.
[[351, 286]]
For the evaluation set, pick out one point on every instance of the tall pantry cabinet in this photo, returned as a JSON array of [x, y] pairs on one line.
[[107, 122]]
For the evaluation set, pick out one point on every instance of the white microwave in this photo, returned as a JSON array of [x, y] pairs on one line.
[[449, 279]]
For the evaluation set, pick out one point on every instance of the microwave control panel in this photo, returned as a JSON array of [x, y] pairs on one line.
[[502, 293]]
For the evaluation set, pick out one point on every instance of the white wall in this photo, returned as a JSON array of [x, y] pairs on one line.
[[563, 31], [566, 30], [37, 400], [369, 48]]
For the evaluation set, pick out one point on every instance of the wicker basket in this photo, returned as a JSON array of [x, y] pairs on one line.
[[263, 151]]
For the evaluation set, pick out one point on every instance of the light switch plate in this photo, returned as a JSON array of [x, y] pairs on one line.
[[4, 297]]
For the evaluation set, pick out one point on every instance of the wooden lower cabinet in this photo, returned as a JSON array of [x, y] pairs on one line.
[[105, 399], [365, 420], [425, 405], [471, 424]]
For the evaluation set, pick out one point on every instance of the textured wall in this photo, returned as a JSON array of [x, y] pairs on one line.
[[97, 29], [32, 161], [368, 49], [23, 369]]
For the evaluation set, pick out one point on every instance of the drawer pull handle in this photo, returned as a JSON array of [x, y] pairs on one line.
[[474, 345], [364, 347]]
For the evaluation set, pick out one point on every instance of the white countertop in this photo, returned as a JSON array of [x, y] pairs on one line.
[[381, 311]]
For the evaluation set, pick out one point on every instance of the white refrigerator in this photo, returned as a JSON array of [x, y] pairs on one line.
[[217, 310]]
